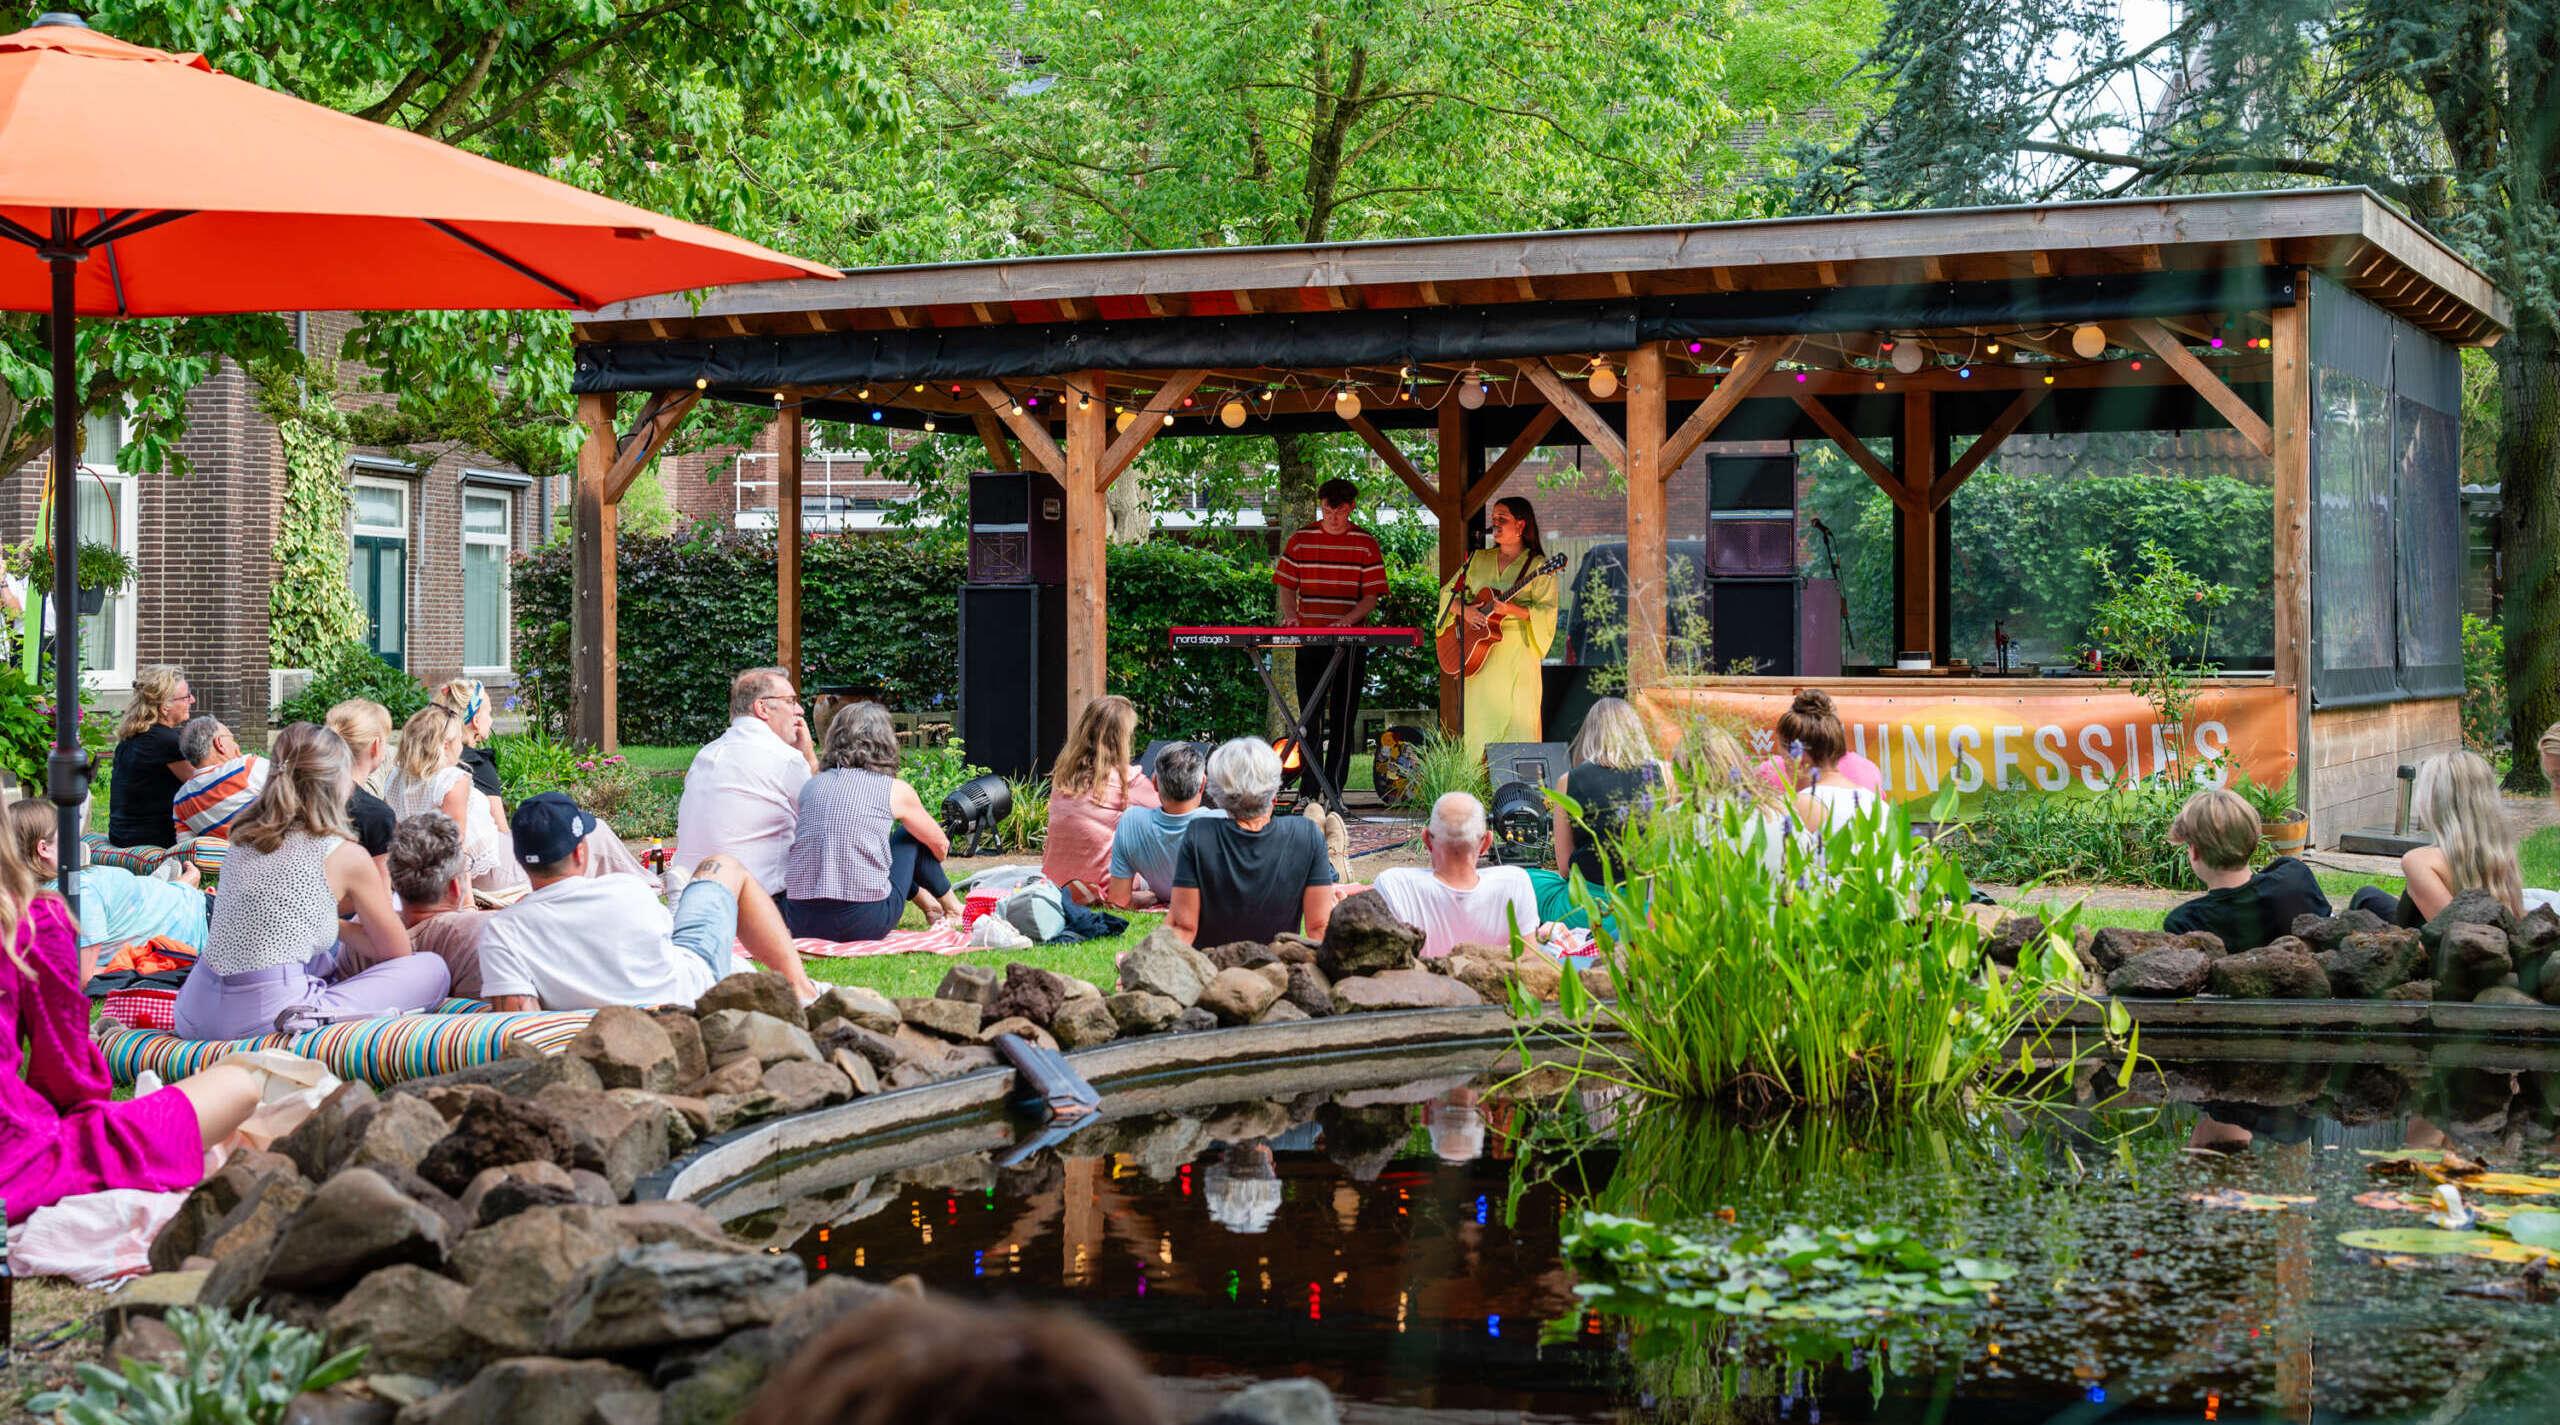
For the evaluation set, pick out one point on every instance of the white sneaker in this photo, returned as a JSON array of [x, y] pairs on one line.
[[671, 884]]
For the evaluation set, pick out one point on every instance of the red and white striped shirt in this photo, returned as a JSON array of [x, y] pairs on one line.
[[1331, 572]]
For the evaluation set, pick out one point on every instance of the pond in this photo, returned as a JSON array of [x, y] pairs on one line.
[[2175, 1247]]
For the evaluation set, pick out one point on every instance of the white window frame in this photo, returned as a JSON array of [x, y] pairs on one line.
[[505, 543], [407, 490], [123, 495]]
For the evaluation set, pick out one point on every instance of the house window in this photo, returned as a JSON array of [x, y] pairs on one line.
[[107, 517], [378, 565], [488, 537]]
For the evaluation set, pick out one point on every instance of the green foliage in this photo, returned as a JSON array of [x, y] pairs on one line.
[[2145, 625], [534, 762], [26, 728], [234, 1370], [1838, 1275], [97, 566], [353, 672], [2118, 837], [1447, 764], [311, 604], [2272, 803], [1025, 826], [2484, 684], [1851, 975], [935, 771]]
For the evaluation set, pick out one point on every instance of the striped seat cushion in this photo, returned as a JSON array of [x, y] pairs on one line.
[[381, 1051], [140, 860]]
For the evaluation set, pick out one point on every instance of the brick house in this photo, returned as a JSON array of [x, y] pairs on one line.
[[430, 549]]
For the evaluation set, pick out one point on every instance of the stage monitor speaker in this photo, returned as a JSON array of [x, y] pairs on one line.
[[1013, 676], [1017, 528], [1541, 764], [1755, 619]]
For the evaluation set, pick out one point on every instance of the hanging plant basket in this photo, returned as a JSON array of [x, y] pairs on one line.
[[92, 602]]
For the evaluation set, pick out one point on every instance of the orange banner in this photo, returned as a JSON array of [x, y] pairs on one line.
[[2058, 742]]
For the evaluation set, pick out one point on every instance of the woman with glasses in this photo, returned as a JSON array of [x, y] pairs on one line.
[[149, 764]]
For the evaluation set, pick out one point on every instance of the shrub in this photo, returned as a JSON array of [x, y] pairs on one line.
[[234, 1370], [1446, 765], [353, 672], [935, 771], [639, 804], [2484, 684], [2147, 623], [1026, 826], [2116, 837]]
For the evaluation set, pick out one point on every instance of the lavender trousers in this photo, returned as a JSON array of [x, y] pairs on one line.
[[294, 997]]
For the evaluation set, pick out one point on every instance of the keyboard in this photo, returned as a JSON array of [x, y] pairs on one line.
[[1291, 636]]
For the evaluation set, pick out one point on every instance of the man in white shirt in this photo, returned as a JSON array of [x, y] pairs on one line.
[[577, 941], [742, 793], [1454, 903]]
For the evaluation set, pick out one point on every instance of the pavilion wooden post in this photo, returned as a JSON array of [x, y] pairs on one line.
[[1917, 455], [1088, 534], [594, 670], [1448, 506], [2289, 436], [786, 568], [1648, 422]]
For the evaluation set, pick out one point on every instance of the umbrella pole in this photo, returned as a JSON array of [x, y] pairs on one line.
[[67, 770]]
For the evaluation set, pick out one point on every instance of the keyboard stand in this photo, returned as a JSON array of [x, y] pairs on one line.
[[1326, 792]]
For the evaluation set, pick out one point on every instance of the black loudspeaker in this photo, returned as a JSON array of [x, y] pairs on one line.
[[1017, 528], [1756, 619], [1013, 675]]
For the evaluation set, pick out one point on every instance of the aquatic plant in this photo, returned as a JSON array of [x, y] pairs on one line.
[[232, 1370], [1855, 972], [1830, 1274]]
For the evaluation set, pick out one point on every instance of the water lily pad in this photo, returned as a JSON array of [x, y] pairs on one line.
[[2536, 1229], [2417, 1241], [2250, 1201], [2511, 1184]]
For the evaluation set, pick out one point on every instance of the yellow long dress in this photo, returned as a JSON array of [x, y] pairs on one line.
[[1504, 698]]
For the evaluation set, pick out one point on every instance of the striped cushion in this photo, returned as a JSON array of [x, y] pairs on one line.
[[380, 1051], [208, 853], [140, 860]]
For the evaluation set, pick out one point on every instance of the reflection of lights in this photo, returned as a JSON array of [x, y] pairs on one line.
[[1142, 1283], [1400, 1306], [1340, 1277], [1493, 1326], [1185, 1175], [928, 1234], [822, 1261], [858, 1253], [1164, 1249], [978, 1263], [2213, 1405], [2097, 1395], [1235, 1283], [952, 1206], [1591, 1324], [1480, 1211], [1315, 1302], [823, 1233]]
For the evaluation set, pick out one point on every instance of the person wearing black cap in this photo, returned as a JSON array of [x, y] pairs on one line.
[[577, 941]]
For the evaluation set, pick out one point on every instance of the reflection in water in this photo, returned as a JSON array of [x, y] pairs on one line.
[[1361, 1238]]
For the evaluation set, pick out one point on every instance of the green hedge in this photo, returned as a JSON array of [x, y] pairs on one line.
[[882, 611]]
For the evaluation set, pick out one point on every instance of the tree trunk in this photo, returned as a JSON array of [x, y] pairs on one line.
[[2529, 529], [1132, 512]]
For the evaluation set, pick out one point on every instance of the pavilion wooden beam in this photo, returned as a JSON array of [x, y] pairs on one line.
[[1648, 470], [1038, 449], [991, 434], [1570, 404], [1917, 453], [1394, 459], [2011, 417], [2244, 419], [1831, 425], [786, 564], [1454, 437], [659, 417], [594, 669], [1519, 450], [1148, 425], [1758, 362], [1088, 536]]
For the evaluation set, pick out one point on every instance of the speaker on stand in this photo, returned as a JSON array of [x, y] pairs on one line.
[[1013, 623]]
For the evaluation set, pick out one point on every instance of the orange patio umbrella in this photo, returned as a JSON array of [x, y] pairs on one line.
[[139, 183]]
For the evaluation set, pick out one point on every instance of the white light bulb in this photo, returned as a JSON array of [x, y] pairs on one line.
[[1908, 357], [1346, 403], [2089, 340], [1471, 392]]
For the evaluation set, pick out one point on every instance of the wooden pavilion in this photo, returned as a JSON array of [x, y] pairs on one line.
[[2211, 312]]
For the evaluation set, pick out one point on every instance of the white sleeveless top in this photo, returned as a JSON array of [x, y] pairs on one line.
[[276, 907], [482, 845]]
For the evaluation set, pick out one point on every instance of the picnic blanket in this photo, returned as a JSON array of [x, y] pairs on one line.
[[896, 942], [381, 1051]]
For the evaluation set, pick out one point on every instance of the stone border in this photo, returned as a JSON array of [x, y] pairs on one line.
[[2417, 1017]]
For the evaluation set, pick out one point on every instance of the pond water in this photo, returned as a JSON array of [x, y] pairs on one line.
[[1401, 1243]]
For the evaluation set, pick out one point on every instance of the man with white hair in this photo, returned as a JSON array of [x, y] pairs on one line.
[[226, 781], [1455, 903], [1246, 876]]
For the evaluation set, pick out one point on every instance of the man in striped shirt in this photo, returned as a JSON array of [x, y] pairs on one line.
[[229, 780], [1331, 574]]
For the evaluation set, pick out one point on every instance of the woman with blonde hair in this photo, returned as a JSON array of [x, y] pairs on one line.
[[1095, 782], [2456, 800], [365, 726], [1615, 776], [428, 776], [149, 765], [468, 700], [60, 1133], [278, 957]]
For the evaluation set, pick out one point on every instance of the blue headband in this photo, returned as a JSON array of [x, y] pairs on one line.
[[471, 710]]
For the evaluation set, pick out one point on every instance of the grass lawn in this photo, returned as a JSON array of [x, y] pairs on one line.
[[2541, 857], [659, 759], [899, 976]]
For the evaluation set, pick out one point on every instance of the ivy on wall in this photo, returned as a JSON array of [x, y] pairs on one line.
[[310, 605]]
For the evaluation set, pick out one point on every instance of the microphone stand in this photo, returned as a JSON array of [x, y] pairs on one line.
[[1839, 586]]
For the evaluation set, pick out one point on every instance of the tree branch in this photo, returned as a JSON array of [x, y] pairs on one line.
[[460, 91], [579, 56], [2228, 163]]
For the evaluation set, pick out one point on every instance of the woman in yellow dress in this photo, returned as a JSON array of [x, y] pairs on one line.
[[1503, 698]]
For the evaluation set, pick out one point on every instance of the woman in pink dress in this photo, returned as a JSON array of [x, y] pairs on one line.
[[60, 1135], [1096, 780]]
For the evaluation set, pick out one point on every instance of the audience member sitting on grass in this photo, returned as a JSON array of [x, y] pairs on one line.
[[1144, 843], [866, 845], [1095, 783], [1812, 723], [149, 764], [1456, 902], [428, 777], [468, 700], [2456, 801], [2220, 831], [742, 793], [365, 726], [433, 877], [1246, 876], [934, 1361], [226, 779], [61, 1135], [277, 958], [1614, 776], [117, 907], [577, 941]]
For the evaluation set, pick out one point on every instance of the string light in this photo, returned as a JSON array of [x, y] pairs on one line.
[[1168, 418], [1032, 401], [1231, 414], [1017, 408], [1697, 346], [1992, 350], [863, 395], [1879, 383], [777, 398], [1964, 373], [702, 383], [1801, 378], [1083, 401], [2089, 340], [2214, 342], [875, 413], [1471, 390], [2048, 378], [928, 425], [919, 388], [1604, 378], [1908, 358], [1346, 403], [2137, 363], [1121, 421]]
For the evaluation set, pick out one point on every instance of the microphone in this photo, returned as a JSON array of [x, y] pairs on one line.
[[1818, 524]]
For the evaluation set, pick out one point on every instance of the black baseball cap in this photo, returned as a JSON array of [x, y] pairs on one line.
[[548, 827]]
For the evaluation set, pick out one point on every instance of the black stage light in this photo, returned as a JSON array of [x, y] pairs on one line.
[[973, 808], [1522, 833]]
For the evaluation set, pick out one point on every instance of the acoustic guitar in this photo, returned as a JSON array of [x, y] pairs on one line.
[[1469, 639]]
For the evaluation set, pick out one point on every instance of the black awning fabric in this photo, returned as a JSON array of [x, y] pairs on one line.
[[1326, 340]]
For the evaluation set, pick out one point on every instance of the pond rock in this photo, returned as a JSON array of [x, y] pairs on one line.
[[1309, 989], [2366, 964], [623, 1141], [971, 984], [752, 1034], [1193, 1020], [1163, 965], [517, 1267], [2112, 946], [408, 1319], [1141, 1012], [628, 1049], [2328, 932], [2010, 938], [1489, 971], [1242, 955], [684, 1032], [500, 1193], [520, 1078], [1282, 1012], [800, 1086], [2163, 972], [1084, 1022], [2470, 956], [183, 1235], [319, 1140], [729, 1110], [1236, 996], [1030, 993], [859, 1003], [2472, 907], [2505, 994], [242, 1242], [949, 1018], [739, 1075], [755, 992], [356, 1222], [663, 1294], [1293, 948], [857, 1071], [1400, 989], [2415, 990], [1364, 937], [556, 1392], [2282, 970], [1277, 1402], [1020, 1028]]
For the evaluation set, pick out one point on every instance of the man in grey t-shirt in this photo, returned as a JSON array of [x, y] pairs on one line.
[[1143, 846]]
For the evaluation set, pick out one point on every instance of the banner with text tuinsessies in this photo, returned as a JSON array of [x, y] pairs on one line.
[[2063, 742]]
